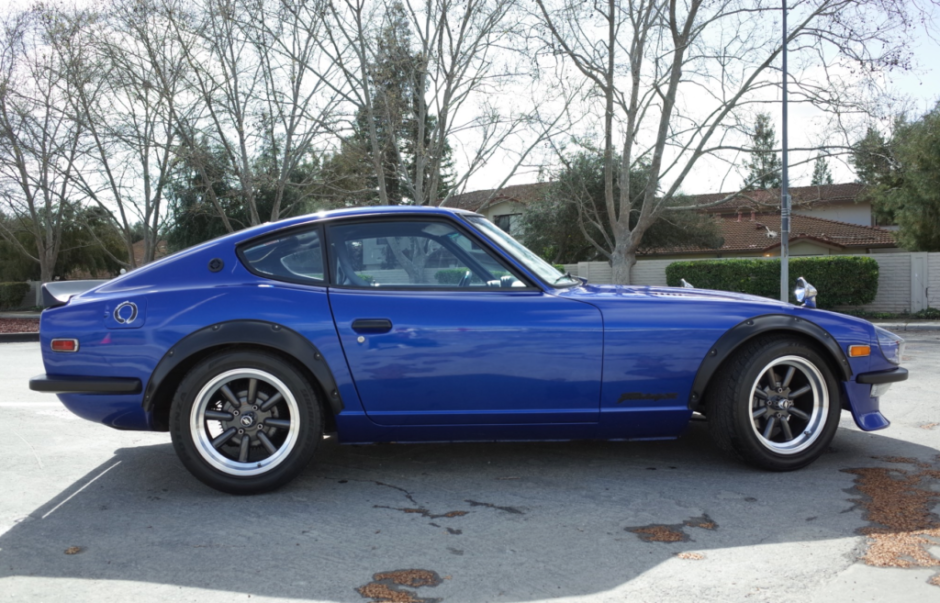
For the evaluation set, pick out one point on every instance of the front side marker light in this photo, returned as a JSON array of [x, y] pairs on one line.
[[858, 351], [64, 345]]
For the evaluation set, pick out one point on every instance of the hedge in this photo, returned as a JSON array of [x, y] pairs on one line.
[[840, 280], [11, 294]]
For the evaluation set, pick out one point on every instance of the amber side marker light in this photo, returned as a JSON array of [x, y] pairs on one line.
[[64, 345], [859, 350]]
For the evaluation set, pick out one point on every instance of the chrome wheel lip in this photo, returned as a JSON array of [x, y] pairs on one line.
[[203, 441], [820, 411]]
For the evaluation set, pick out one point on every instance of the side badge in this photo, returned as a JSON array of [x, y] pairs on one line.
[[125, 313]]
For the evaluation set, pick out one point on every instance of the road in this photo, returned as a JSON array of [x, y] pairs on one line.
[[488, 522]]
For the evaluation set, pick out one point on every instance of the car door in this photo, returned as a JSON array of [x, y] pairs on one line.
[[439, 330]]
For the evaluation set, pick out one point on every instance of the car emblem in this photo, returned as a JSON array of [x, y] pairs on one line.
[[123, 317]]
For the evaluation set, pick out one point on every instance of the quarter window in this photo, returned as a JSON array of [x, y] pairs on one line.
[[296, 257]]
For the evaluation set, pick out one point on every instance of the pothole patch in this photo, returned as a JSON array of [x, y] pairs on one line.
[[659, 532], [388, 587], [897, 503]]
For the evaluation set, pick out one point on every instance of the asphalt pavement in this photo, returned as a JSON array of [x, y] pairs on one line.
[[92, 514]]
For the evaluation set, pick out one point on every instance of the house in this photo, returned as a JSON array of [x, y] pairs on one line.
[[503, 207], [832, 219]]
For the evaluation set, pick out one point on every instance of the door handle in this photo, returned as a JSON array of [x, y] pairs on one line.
[[372, 325]]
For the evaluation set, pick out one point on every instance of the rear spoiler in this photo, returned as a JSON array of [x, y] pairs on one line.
[[58, 293]]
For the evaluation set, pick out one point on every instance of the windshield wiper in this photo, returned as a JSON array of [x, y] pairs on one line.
[[567, 275]]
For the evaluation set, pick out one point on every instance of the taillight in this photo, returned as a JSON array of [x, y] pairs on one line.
[[64, 345]]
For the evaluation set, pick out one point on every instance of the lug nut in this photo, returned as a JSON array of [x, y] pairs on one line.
[[241, 431]]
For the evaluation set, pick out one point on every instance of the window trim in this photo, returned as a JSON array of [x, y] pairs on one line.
[[280, 234], [457, 226]]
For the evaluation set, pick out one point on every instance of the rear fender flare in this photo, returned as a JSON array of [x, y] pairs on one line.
[[247, 332], [752, 327]]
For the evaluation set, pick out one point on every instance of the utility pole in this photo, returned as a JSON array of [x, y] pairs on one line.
[[784, 184]]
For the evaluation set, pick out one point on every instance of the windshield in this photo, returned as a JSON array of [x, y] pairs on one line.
[[523, 255]]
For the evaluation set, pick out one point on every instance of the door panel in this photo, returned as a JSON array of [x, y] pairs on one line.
[[463, 357]]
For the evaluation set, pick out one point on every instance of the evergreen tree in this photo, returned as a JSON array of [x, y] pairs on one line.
[[821, 173], [903, 173], [764, 167]]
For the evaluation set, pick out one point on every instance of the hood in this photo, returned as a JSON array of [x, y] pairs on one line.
[[611, 291]]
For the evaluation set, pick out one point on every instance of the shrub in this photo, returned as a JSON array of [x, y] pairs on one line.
[[11, 294], [841, 280]]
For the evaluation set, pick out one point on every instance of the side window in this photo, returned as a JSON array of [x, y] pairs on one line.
[[297, 257], [413, 254]]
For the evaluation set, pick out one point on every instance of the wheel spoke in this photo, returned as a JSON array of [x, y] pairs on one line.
[[774, 381], [800, 391], [786, 380], [796, 412], [786, 429], [267, 443], [758, 393], [759, 413], [226, 435], [217, 415], [243, 451], [272, 401], [252, 391], [769, 427], [230, 396], [279, 423]]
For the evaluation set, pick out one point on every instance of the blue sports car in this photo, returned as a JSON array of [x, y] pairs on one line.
[[410, 324]]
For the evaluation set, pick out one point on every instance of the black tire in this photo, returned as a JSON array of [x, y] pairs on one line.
[[774, 427], [277, 423]]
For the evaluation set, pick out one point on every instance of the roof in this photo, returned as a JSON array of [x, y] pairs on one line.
[[753, 236], [802, 197], [477, 200]]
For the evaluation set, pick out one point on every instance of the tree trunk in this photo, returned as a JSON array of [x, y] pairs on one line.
[[621, 265]]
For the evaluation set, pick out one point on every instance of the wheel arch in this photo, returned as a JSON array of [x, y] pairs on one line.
[[269, 336], [746, 330]]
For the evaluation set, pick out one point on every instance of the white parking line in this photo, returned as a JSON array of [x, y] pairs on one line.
[[80, 489]]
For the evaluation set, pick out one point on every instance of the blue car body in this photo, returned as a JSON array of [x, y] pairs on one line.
[[540, 362]]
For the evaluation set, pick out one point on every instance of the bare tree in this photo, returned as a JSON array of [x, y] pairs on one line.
[[456, 58], [249, 64], [674, 81], [128, 76], [38, 139]]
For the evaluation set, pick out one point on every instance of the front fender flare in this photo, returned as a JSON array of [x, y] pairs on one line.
[[752, 327], [250, 332]]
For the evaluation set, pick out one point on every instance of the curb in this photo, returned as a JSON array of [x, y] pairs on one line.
[[18, 337], [908, 327]]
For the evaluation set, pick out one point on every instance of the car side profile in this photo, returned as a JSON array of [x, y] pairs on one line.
[[412, 324]]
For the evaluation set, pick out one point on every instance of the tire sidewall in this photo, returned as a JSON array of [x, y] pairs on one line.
[[746, 441], [310, 431]]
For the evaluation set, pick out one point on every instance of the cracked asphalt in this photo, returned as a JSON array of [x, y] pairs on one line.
[[92, 514]]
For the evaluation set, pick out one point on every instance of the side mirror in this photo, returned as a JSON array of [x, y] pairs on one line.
[[805, 293], [686, 284]]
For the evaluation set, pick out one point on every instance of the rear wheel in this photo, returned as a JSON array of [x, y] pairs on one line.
[[245, 421], [775, 404]]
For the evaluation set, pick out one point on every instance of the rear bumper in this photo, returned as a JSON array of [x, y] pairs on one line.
[[84, 385]]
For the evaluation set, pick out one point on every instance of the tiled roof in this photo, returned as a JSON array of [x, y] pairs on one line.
[[801, 197], [762, 200], [521, 193], [748, 236]]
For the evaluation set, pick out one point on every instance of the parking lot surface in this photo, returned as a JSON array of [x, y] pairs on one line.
[[89, 513]]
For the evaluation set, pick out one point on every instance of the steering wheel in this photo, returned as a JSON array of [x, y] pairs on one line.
[[465, 279]]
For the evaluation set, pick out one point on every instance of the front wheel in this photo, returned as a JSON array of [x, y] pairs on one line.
[[245, 421], [775, 404]]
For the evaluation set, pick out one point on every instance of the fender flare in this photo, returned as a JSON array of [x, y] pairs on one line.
[[252, 332], [752, 327]]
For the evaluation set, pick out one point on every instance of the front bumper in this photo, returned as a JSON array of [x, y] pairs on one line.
[[84, 385], [865, 408]]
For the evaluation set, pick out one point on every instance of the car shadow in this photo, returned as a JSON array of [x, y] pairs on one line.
[[507, 521]]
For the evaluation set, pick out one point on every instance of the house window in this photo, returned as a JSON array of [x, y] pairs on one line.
[[509, 222]]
